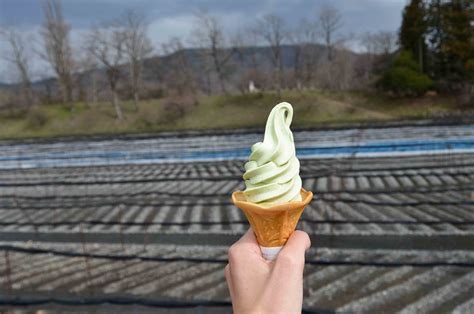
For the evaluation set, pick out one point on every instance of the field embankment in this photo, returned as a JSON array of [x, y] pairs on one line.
[[312, 108]]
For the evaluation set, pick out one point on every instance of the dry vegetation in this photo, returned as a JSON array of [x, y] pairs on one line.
[[218, 112]]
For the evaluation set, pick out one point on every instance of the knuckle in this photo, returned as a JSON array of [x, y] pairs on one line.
[[289, 260], [233, 253]]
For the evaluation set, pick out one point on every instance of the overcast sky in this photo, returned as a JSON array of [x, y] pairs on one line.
[[171, 18]]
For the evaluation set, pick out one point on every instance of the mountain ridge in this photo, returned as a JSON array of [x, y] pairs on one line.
[[156, 67]]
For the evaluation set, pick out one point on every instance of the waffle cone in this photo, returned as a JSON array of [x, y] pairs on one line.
[[272, 225]]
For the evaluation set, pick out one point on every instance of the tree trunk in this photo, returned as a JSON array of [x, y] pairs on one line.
[[279, 75], [221, 81], [26, 87], [420, 54], [278, 87], [329, 46], [67, 94], [70, 93], [219, 75], [94, 89], [135, 81], [136, 98], [29, 94], [118, 109], [208, 82], [217, 65], [84, 93]]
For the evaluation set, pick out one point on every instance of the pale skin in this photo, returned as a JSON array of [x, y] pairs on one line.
[[259, 286]]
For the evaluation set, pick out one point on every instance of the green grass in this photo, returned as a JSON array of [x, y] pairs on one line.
[[312, 108]]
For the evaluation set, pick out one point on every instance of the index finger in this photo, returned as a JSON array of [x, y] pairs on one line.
[[248, 241]]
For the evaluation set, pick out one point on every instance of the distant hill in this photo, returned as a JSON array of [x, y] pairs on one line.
[[6, 85], [157, 68]]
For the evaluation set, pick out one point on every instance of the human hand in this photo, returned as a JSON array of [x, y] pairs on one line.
[[260, 286]]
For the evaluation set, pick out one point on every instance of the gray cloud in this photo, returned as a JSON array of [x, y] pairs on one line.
[[171, 18]]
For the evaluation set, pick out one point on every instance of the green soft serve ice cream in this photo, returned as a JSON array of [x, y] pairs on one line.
[[272, 172]]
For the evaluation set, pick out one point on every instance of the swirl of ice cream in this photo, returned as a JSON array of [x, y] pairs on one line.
[[272, 172]]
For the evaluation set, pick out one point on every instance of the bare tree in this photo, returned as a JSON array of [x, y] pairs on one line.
[[137, 47], [86, 77], [107, 44], [337, 74], [271, 29], [311, 51], [369, 45], [244, 42], [377, 47], [57, 50], [330, 21], [180, 80], [18, 56], [208, 34], [385, 42], [303, 39], [380, 43], [253, 67], [296, 38]]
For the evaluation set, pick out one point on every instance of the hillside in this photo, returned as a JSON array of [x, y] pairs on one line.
[[312, 109]]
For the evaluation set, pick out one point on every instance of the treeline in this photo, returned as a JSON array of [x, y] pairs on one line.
[[107, 49], [117, 61], [436, 48]]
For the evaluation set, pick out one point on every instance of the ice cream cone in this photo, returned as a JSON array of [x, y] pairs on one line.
[[272, 225]]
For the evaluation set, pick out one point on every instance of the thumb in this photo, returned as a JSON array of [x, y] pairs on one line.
[[288, 269], [292, 254], [297, 244]]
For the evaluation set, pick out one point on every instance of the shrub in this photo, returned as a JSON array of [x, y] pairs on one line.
[[466, 96], [147, 117], [405, 60], [404, 77], [176, 108], [469, 66], [36, 119], [404, 81], [151, 91]]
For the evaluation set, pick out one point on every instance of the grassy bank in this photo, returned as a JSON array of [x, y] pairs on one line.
[[312, 108]]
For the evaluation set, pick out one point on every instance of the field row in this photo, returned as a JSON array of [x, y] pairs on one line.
[[388, 184], [229, 141], [343, 213], [443, 164], [344, 287]]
